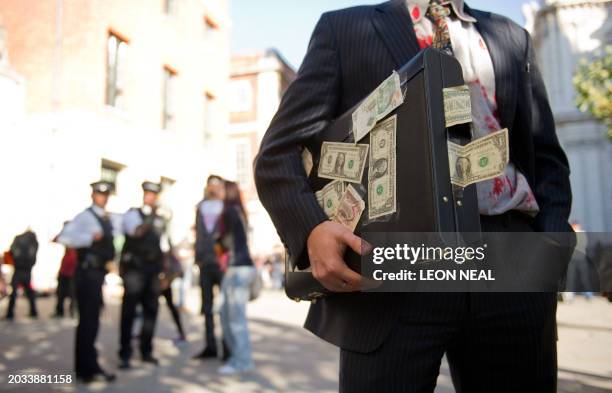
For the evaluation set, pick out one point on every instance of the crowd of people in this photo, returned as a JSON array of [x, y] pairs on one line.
[[148, 263]]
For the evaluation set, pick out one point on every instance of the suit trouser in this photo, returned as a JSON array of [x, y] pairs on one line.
[[140, 287], [495, 342], [22, 278], [88, 289], [208, 280]]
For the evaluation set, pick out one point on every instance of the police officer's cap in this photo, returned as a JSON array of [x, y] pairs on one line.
[[151, 187], [102, 187]]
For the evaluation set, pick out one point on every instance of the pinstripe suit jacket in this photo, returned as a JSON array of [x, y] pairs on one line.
[[351, 51]]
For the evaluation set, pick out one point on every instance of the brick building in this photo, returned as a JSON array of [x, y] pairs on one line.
[[258, 82], [124, 90]]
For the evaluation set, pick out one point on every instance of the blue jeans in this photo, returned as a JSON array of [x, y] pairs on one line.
[[235, 290]]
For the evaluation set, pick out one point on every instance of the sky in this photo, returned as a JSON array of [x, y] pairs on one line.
[[287, 24]]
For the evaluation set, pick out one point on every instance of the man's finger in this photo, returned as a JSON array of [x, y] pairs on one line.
[[333, 284], [340, 278], [351, 278]]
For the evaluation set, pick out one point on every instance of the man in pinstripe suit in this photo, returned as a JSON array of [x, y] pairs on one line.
[[395, 342]]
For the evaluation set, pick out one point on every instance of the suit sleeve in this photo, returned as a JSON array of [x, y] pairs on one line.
[[552, 184], [309, 105]]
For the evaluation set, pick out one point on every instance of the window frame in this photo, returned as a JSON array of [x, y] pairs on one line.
[[169, 80], [114, 65]]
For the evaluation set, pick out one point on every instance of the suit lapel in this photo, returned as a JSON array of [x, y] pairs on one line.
[[394, 25], [505, 70]]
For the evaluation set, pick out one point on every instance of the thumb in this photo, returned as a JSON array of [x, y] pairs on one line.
[[355, 243]]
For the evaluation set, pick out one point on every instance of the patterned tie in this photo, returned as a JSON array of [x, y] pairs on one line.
[[438, 13]]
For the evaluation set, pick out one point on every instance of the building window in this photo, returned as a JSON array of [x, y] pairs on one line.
[[210, 26], [241, 91], [170, 7], [109, 171], [116, 53], [167, 184], [169, 91], [243, 163], [209, 104]]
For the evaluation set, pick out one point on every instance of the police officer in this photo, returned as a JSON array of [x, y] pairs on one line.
[[140, 267], [91, 234]]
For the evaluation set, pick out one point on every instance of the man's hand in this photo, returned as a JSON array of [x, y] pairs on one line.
[[98, 236], [326, 246]]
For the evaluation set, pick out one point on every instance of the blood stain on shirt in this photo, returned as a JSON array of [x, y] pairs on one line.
[[498, 187], [425, 42], [512, 188]]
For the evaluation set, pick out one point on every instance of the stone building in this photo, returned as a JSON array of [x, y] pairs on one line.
[[123, 90], [565, 31]]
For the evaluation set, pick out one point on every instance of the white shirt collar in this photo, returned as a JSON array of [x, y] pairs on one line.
[[423, 5]]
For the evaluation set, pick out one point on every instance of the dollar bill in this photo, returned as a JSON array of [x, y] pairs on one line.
[[381, 102], [307, 161], [330, 195], [350, 209], [365, 117], [319, 196], [382, 186], [457, 105], [389, 96], [482, 159], [343, 161]]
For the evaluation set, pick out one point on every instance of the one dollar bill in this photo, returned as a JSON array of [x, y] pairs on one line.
[[382, 183], [457, 105], [381, 102], [482, 159], [365, 117], [389, 96], [343, 161], [329, 196]]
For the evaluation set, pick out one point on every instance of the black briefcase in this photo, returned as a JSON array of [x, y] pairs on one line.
[[426, 199]]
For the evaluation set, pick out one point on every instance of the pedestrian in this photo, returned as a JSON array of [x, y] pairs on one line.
[[581, 273], [23, 252], [236, 285], [172, 269], [65, 282], [91, 234], [2, 280], [185, 253], [140, 265], [209, 230], [390, 342], [599, 250]]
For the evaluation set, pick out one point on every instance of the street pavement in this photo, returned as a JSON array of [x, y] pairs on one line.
[[288, 358]]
